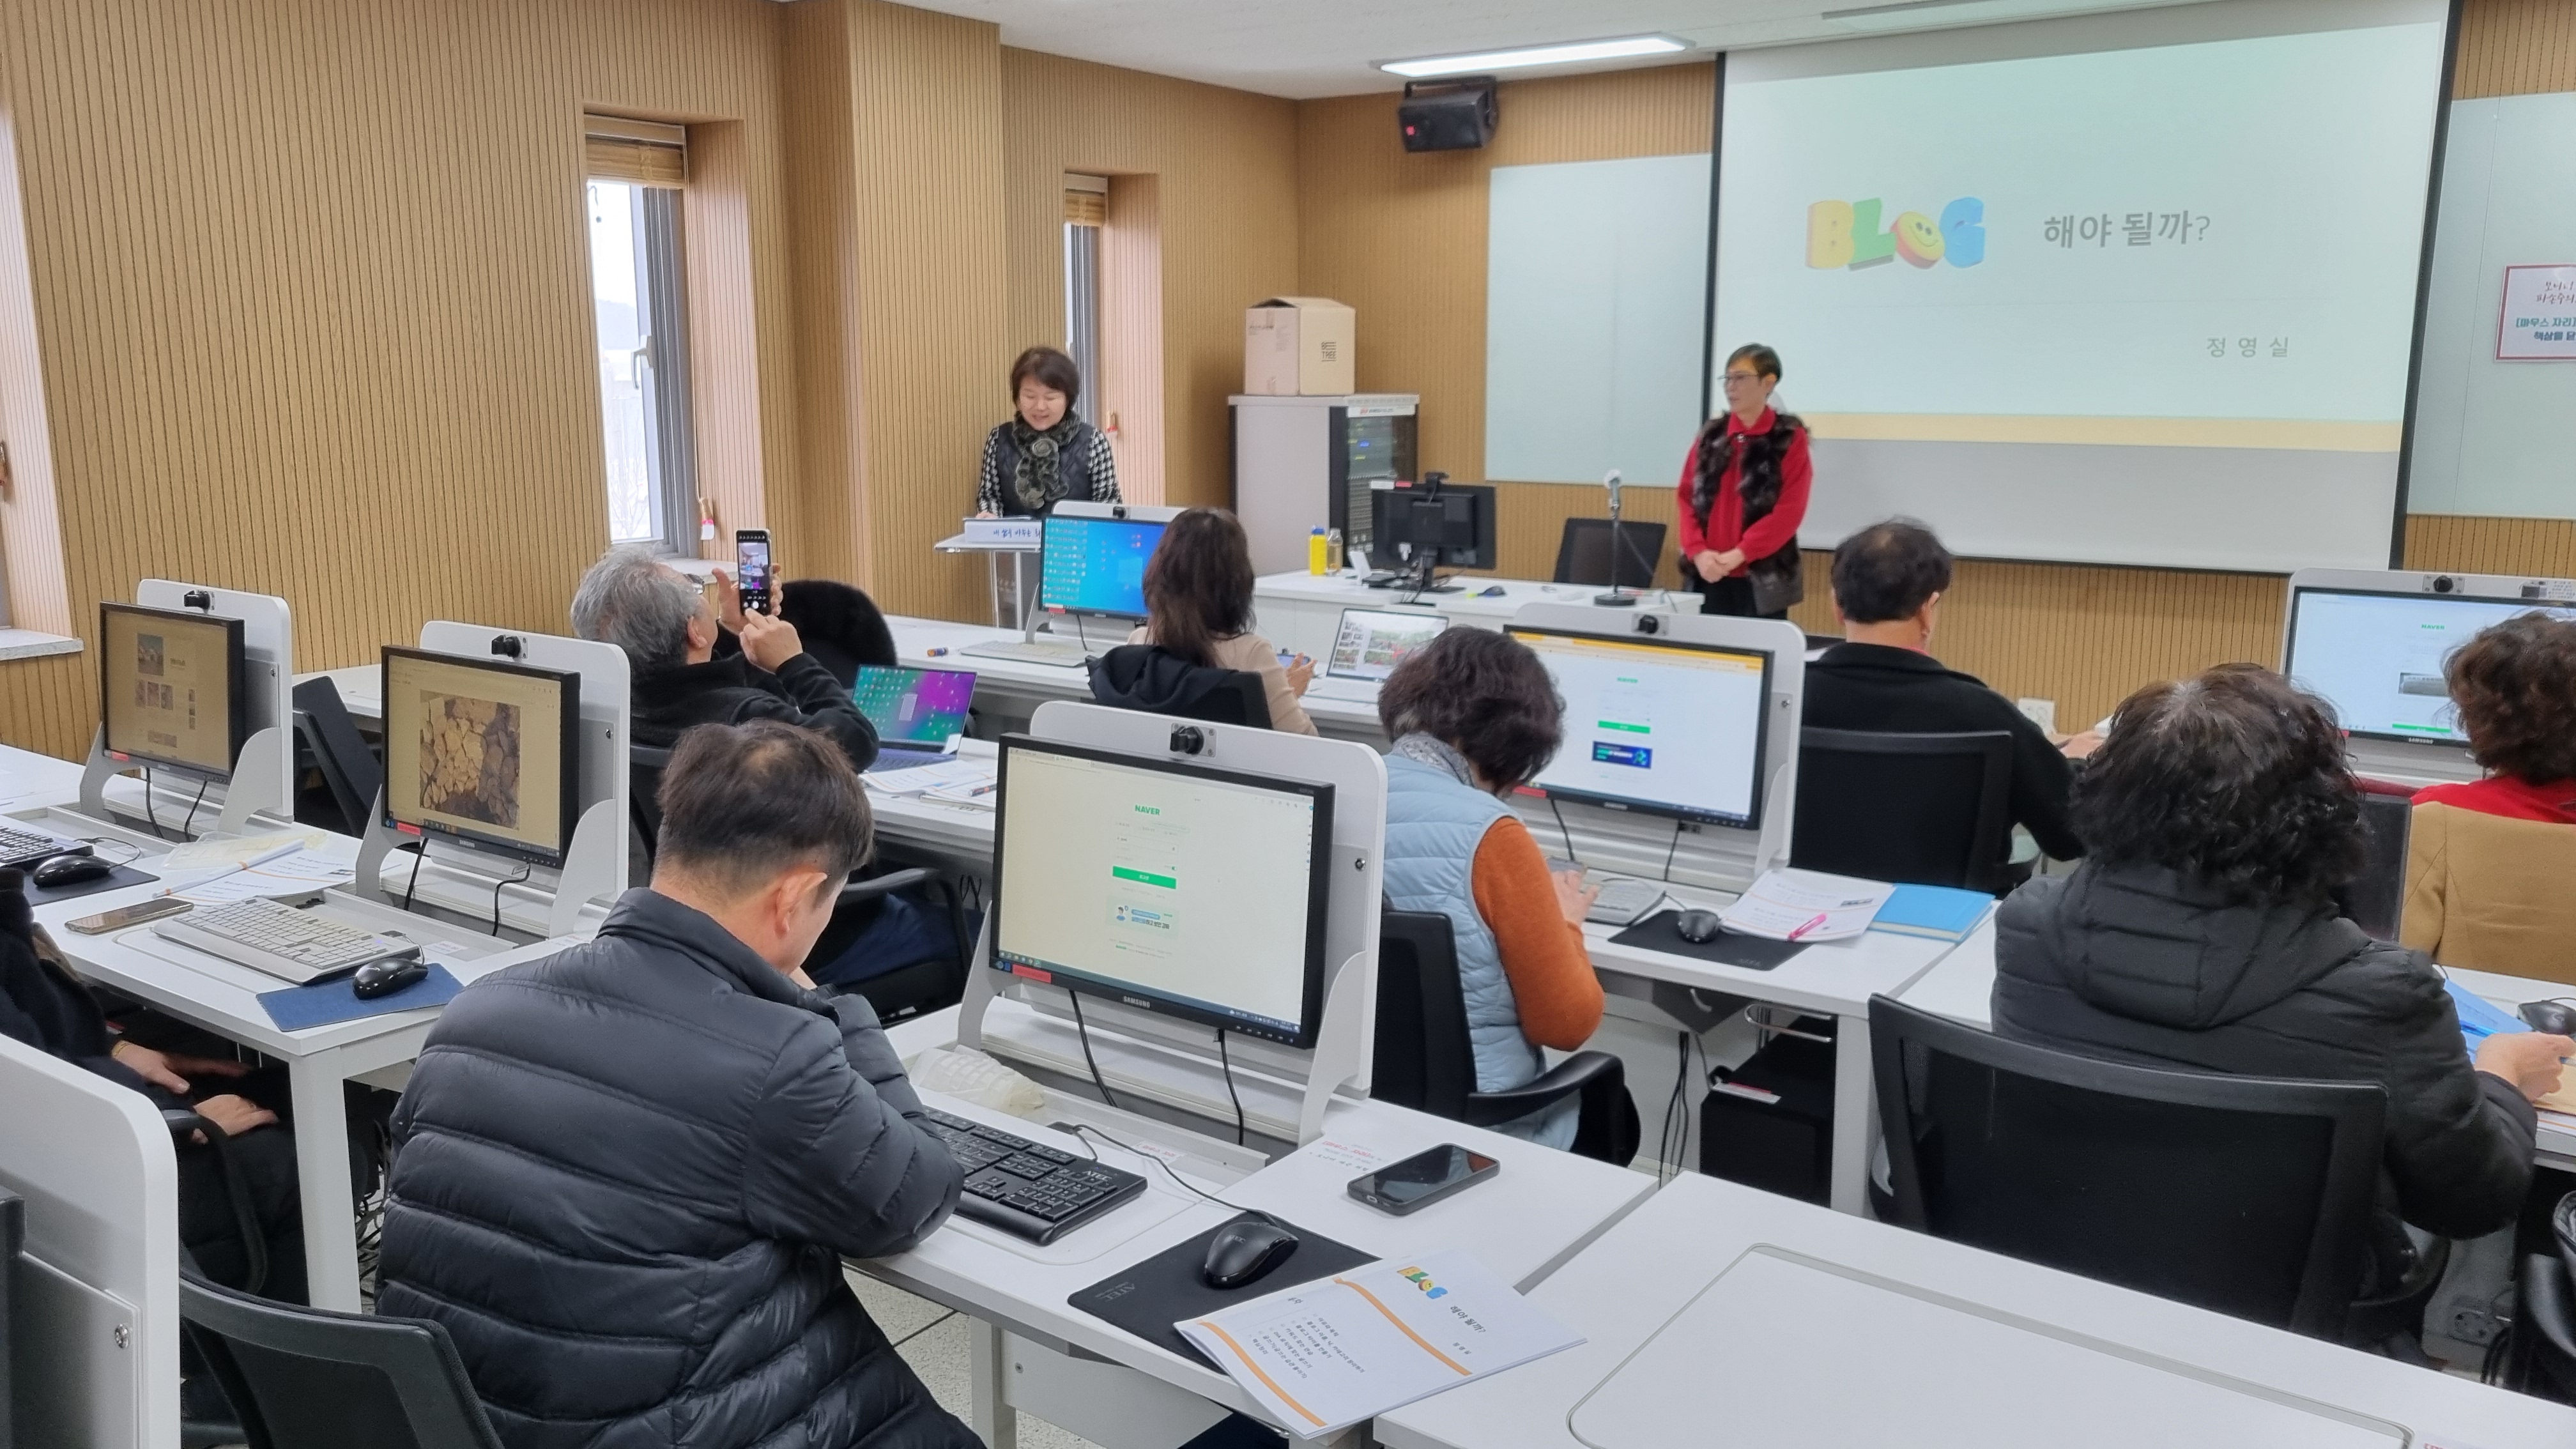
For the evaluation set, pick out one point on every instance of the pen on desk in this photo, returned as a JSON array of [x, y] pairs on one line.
[[938, 653], [1807, 926], [983, 790]]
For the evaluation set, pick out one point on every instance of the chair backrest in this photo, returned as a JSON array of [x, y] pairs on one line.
[[2246, 1195], [2375, 900], [349, 769], [1926, 809], [302, 1378], [644, 767], [1585, 553], [839, 624], [1203, 692], [1424, 1059]]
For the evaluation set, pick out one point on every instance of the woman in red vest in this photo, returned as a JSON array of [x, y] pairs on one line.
[[1743, 494]]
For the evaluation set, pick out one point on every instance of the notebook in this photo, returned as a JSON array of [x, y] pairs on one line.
[[1940, 912]]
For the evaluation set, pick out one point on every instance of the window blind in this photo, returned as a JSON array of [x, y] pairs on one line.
[[647, 152], [1086, 200]]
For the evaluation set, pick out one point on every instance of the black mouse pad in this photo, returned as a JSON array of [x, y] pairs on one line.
[[115, 880], [1147, 1299], [1753, 953]]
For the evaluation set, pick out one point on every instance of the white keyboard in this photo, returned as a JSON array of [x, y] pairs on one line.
[[287, 943], [1067, 655], [19, 847]]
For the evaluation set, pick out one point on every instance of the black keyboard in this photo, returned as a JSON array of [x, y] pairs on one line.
[[1025, 1189]]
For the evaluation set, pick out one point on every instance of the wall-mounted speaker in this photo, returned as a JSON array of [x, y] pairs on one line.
[[1448, 115]]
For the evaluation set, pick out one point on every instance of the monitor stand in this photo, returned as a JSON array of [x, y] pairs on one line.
[[590, 869], [1034, 647], [255, 787]]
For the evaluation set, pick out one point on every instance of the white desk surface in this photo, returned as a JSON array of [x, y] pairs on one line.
[[29, 780], [1622, 1290], [1535, 1214], [1345, 591], [1830, 977]]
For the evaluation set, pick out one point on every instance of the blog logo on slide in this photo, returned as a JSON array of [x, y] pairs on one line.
[[1846, 234]]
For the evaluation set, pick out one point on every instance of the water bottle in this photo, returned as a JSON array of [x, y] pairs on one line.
[[1316, 550]]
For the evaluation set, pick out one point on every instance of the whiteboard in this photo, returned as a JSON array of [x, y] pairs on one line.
[[2492, 437], [1596, 308], [1768, 1354]]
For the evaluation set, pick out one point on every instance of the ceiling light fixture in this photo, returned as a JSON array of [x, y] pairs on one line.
[[1569, 54]]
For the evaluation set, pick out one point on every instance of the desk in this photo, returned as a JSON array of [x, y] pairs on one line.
[[29, 780], [1302, 612], [1622, 1290], [223, 998], [1534, 1215]]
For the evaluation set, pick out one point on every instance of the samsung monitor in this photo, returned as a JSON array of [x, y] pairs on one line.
[[1094, 564], [482, 751], [1450, 523], [1164, 884], [2378, 657], [914, 706], [174, 688], [1371, 642], [1657, 725]]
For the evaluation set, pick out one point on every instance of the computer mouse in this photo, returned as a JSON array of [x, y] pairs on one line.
[[1697, 926], [63, 870], [2558, 1018], [383, 978], [1495, 592], [1245, 1252]]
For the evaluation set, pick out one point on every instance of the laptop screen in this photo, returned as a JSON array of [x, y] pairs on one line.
[[914, 706], [1373, 641]]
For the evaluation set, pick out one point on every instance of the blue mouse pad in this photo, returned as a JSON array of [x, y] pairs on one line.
[[321, 1003]]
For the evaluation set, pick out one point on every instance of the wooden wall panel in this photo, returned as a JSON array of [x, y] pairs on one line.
[[2516, 47], [310, 288], [2540, 547], [725, 326], [818, 526], [1131, 382], [1229, 200]]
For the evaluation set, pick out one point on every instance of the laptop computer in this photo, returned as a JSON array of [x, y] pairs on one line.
[[1366, 648], [915, 711]]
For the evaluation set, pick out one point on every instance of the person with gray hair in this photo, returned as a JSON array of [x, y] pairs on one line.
[[633, 599]]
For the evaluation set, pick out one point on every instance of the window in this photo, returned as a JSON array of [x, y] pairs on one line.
[[1086, 201], [641, 315]]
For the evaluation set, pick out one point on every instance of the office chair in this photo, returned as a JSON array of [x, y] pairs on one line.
[[351, 773], [2541, 1359], [839, 624], [1926, 809], [2246, 1195], [2375, 900], [906, 991], [1424, 1060], [1180, 689], [1583, 553], [303, 1378]]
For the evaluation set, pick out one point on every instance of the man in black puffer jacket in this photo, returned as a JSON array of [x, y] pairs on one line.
[[2200, 933], [625, 1176]]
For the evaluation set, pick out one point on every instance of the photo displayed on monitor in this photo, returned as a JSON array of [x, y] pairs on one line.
[[1090, 565], [1373, 641], [482, 751], [1657, 725], [173, 688], [1171, 886], [2378, 658], [914, 706]]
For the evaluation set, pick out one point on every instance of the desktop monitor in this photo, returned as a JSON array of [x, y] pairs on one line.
[[914, 706], [1371, 642], [1657, 725], [1453, 524], [174, 688], [1091, 564], [482, 751], [1168, 885], [2378, 657]]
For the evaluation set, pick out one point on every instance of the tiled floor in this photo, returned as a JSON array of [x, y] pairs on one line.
[[937, 1350]]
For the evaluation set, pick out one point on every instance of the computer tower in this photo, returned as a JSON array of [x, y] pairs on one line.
[[1770, 1122], [1303, 463]]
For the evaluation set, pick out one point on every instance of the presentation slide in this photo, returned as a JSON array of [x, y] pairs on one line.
[[2378, 658], [1180, 886], [475, 751], [2136, 288], [1662, 727]]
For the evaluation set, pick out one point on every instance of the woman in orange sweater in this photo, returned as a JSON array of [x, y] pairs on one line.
[[1474, 715], [2489, 863]]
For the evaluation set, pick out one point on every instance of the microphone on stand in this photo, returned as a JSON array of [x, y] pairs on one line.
[[1617, 597]]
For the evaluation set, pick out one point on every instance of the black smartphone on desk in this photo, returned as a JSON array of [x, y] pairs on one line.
[[751, 569], [1423, 1179]]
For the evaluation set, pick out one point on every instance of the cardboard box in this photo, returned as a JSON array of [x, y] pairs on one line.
[[1298, 346]]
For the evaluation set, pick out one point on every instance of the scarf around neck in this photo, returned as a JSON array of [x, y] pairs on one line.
[[1427, 750], [1038, 475]]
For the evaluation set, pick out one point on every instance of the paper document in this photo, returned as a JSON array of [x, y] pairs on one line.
[[950, 775], [1806, 905], [1361, 1343], [300, 871], [240, 850]]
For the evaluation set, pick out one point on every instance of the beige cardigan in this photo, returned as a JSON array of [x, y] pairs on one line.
[[2491, 893], [1253, 654]]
